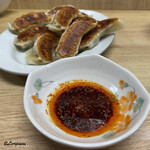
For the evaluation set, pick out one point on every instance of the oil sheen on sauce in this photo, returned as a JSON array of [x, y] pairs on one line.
[[83, 108]]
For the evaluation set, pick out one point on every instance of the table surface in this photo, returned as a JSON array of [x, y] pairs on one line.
[[130, 48]]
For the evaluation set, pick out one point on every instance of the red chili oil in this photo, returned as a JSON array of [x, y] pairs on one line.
[[83, 108]]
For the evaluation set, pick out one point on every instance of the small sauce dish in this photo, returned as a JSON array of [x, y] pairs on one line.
[[131, 95]]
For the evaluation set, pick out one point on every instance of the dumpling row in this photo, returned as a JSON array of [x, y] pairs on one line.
[[59, 33]]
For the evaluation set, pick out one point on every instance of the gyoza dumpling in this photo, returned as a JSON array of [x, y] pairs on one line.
[[27, 38], [54, 10], [62, 18], [71, 38], [31, 19], [42, 52], [107, 26]]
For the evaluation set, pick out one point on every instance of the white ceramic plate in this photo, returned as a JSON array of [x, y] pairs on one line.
[[95, 68], [13, 60]]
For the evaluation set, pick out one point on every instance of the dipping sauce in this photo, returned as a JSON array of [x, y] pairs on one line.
[[83, 108]]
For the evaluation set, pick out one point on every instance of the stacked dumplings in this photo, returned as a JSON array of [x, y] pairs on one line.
[[61, 32]]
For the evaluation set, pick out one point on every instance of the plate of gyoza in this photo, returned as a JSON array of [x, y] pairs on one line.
[[39, 38]]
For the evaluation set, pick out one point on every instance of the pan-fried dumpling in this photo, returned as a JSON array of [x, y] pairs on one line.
[[63, 19], [27, 38], [70, 40], [42, 52], [103, 27], [31, 19], [54, 10]]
